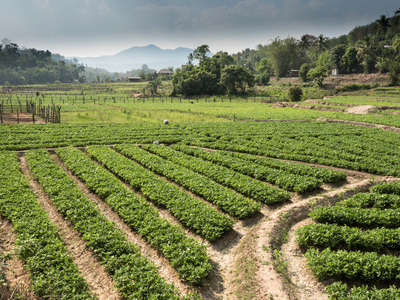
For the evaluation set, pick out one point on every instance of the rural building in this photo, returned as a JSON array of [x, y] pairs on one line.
[[165, 72], [133, 79], [335, 72]]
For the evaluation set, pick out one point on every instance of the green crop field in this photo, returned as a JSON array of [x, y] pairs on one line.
[[209, 205]]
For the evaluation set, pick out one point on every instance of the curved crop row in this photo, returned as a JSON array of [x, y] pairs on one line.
[[387, 188], [244, 184], [326, 175], [333, 235], [365, 266], [53, 272], [187, 255], [283, 179], [372, 200], [134, 275], [364, 217], [194, 213], [340, 291], [233, 203]]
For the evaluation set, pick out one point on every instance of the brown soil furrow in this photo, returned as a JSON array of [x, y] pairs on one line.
[[362, 124], [17, 276], [165, 269], [100, 282], [301, 275], [271, 234]]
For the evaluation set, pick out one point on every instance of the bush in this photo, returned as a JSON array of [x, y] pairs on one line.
[[295, 94]]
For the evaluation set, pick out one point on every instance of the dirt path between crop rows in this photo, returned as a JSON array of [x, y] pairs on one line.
[[244, 264], [17, 276], [277, 233], [101, 284]]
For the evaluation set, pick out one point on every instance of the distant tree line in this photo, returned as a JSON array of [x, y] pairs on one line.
[[366, 49], [32, 66], [371, 48]]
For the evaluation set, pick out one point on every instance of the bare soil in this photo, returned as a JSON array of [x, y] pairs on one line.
[[23, 118], [361, 109], [17, 276]]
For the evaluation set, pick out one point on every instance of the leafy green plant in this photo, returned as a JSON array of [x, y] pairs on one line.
[[52, 270], [134, 275], [283, 179], [231, 202], [194, 213], [241, 183], [186, 255]]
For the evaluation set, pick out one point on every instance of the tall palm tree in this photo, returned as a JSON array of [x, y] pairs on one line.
[[382, 26], [321, 44], [304, 43], [365, 46], [396, 19], [366, 52]]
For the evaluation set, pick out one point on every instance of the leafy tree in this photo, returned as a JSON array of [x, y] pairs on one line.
[[335, 59], [350, 60], [217, 63], [263, 66], [394, 73], [201, 53], [236, 78], [303, 72], [194, 80], [317, 75], [284, 55], [324, 60], [263, 79]]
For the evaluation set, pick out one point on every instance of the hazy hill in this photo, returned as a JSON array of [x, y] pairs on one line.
[[133, 58]]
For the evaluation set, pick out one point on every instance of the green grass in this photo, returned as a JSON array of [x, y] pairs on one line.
[[114, 103]]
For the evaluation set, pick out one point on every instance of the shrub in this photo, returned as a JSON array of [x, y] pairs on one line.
[[295, 94]]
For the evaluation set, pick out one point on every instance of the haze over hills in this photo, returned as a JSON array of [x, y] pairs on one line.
[[133, 58]]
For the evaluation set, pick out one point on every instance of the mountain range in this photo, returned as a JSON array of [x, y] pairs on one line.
[[133, 58]]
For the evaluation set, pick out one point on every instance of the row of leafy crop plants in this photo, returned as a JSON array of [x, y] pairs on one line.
[[356, 242], [338, 145], [53, 271]]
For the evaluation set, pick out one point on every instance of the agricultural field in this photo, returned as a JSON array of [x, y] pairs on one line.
[[234, 198]]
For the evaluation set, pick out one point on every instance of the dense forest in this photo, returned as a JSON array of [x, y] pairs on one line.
[[32, 66], [366, 49]]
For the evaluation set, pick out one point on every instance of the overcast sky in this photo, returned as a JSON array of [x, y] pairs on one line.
[[102, 27]]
